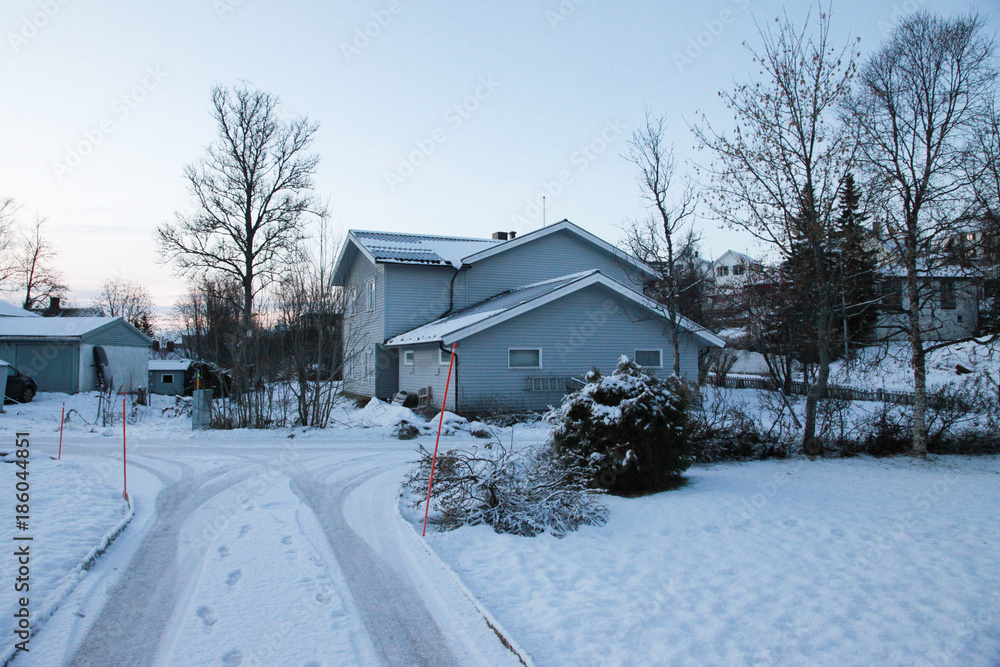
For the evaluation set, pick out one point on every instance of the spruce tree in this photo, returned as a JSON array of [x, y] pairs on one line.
[[857, 289]]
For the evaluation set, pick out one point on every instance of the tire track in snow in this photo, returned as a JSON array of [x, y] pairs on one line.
[[399, 625], [140, 604]]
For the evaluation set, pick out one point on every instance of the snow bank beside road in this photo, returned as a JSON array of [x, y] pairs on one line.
[[75, 506], [847, 562]]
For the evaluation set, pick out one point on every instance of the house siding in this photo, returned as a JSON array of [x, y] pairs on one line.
[[417, 295], [552, 256], [938, 324], [364, 330], [426, 371], [587, 329]]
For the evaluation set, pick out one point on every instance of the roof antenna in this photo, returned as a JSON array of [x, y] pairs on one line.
[[543, 210]]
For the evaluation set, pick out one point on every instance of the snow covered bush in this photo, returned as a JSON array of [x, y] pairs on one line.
[[628, 430], [523, 492]]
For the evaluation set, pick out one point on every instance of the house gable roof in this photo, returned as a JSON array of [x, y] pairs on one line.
[[561, 226], [453, 251], [508, 305]]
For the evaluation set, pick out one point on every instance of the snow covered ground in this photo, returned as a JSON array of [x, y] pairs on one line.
[[843, 562], [286, 547]]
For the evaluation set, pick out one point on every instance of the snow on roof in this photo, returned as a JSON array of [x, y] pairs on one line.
[[419, 248], [58, 327], [7, 310], [169, 364], [485, 309], [924, 270]]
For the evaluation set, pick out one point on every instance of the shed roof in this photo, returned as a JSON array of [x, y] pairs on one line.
[[169, 364], [503, 307], [62, 327]]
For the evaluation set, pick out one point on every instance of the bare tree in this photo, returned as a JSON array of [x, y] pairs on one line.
[[37, 274], [919, 108], [778, 174], [252, 191], [8, 226], [121, 297], [665, 238], [312, 318]]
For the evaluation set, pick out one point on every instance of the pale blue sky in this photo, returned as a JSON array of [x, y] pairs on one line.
[[549, 88]]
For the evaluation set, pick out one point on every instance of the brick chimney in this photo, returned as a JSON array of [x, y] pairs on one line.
[[499, 236], [512, 235]]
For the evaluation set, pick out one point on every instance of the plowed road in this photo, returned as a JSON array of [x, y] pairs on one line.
[[266, 553]]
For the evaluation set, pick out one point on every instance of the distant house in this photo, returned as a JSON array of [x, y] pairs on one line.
[[56, 309], [58, 353], [950, 309], [528, 314], [168, 377], [7, 310]]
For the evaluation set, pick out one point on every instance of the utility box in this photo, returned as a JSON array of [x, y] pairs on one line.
[[201, 409]]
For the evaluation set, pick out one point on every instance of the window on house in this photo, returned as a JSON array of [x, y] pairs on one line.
[[444, 357], [948, 294], [649, 358], [738, 270], [354, 301], [371, 296], [892, 294], [722, 270], [168, 378], [524, 358], [408, 358]]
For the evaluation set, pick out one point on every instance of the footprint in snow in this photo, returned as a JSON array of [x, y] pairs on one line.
[[712, 530], [233, 658], [244, 530], [234, 576], [287, 539], [223, 551], [207, 615]]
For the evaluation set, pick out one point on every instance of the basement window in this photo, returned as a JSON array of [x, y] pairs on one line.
[[524, 357]]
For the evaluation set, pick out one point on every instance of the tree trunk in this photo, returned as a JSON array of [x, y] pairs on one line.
[[919, 358]]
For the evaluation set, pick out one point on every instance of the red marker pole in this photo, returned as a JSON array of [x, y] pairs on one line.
[[62, 420], [430, 484], [124, 465]]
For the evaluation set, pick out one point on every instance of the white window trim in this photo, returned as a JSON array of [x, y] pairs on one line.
[[444, 357], [524, 368], [164, 379], [354, 301], [408, 356], [635, 356], [371, 296]]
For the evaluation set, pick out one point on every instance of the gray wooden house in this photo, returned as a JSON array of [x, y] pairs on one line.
[[528, 313], [58, 352]]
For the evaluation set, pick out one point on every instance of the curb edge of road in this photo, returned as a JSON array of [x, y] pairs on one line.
[[73, 579], [505, 637]]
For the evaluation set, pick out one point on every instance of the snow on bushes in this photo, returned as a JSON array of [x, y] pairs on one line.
[[628, 430], [523, 492]]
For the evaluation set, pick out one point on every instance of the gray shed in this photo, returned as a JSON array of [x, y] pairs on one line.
[[167, 376], [58, 352]]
